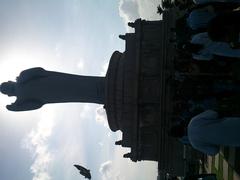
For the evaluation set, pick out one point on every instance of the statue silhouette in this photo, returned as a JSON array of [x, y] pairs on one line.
[[35, 87]]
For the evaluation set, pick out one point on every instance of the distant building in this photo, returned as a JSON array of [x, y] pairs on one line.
[[138, 96]]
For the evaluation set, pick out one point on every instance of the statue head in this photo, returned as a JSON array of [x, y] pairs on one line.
[[8, 88]]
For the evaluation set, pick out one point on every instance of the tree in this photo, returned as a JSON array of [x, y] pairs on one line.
[[159, 10], [167, 4]]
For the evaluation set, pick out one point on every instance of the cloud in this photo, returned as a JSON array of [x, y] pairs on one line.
[[37, 143], [101, 116], [130, 10], [109, 172], [120, 168], [42, 176], [105, 168]]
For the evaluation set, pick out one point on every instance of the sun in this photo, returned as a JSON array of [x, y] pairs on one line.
[[13, 61]]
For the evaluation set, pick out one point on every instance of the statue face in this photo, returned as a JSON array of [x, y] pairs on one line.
[[8, 88]]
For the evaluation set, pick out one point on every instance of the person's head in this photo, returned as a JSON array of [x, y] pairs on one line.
[[177, 131], [192, 48], [8, 88], [225, 27]]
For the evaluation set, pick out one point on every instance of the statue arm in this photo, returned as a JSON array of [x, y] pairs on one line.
[[29, 74], [25, 105]]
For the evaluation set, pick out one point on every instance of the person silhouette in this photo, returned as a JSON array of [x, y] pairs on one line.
[[207, 132]]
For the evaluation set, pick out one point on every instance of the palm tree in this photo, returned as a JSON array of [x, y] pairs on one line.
[[159, 10], [167, 4]]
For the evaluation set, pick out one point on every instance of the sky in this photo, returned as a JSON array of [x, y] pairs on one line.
[[72, 36]]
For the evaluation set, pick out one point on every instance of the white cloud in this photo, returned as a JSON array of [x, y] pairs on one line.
[[141, 170], [101, 116], [130, 10], [106, 168], [42, 176], [109, 172], [37, 143]]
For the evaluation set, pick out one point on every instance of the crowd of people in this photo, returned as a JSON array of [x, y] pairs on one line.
[[207, 74]]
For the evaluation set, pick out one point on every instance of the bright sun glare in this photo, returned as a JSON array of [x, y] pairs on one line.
[[13, 62]]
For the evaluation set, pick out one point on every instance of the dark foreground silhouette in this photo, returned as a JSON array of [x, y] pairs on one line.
[[35, 87]]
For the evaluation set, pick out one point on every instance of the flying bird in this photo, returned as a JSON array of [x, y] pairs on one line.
[[83, 171]]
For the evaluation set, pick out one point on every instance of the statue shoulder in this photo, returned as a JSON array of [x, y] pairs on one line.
[[30, 74]]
